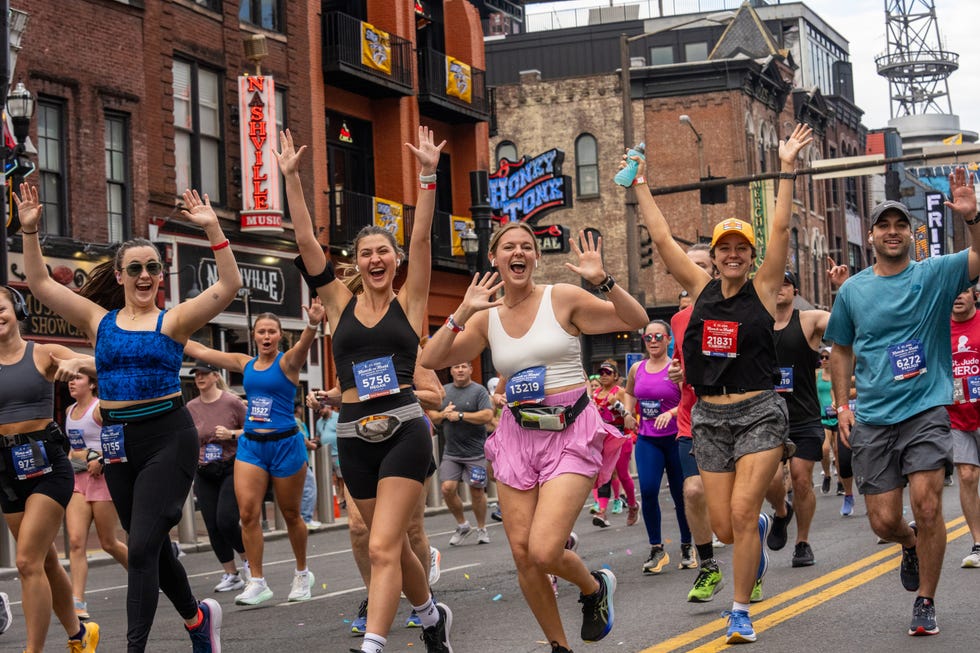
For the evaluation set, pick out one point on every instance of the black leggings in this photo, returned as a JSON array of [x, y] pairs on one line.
[[219, 509], [844, 469], [149, 491]]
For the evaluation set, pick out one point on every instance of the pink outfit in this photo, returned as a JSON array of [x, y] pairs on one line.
[[93, 489], [655, 394], [85, 427]]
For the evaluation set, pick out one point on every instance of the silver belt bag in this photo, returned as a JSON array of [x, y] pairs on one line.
[[379, 427]]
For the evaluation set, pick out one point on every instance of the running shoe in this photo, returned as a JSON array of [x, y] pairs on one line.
[[599, 519], [909, 570], [840, 489], [972, 560], [413, 620], [89, 643], [947, 482], [496, 515], [302, 587], [765, 526], [255, 593], [707, 584], [739, 627], [597, 608], [803, 555], [435, 565], [923, 617], [178, 552], [689, 559], [777, 537], [206, 637], [657, 561], [6, 618], [756, 595], [230, 583], [313, 525], [847, 508], [594, 508], [359, 625], [572, 542], [632, 514], [616, 506], [558, 648], [461, 533], [81, 609], [436, 638], [245, 572], [825, 485], [482, 536], [554, 584], [716, 543]]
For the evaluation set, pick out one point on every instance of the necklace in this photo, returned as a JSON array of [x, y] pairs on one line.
[[511, 306], [133, 314]]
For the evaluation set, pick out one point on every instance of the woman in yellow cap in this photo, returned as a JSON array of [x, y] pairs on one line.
[[739, 424]]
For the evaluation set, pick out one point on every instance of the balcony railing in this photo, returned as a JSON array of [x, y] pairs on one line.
[[435, 100], [344, 59], [350, 211]]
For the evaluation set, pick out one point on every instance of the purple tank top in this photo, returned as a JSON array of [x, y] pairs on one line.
[[655, 394]]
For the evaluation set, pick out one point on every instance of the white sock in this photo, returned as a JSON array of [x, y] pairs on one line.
[[304, 571], [427, 612], [373, 643], [258, 581], [740, 606]]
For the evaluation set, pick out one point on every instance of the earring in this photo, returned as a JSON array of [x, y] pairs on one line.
[[357, 268], [493, 263]]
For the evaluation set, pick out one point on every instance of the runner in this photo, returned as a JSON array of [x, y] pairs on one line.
[[610, 399], [219, 417], [842, 453], [148, 437], [893, 320], [90, 501], [739, 423], [551, 442]]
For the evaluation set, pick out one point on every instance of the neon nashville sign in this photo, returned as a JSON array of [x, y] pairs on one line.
[[529, 188]]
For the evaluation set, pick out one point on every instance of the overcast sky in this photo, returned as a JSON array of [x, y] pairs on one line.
[[862, 23]]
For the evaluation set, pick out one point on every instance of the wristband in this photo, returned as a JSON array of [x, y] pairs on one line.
[[461, 416], [219, 246], [452, 325], [607, 284], [428, 179], [640, 180], [842, 408], [787, 175], [975, 220], [427, 186], [31, 233], [314, 327]]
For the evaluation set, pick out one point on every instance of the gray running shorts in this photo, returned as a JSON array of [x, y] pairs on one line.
[[723, 433], [966, 447]]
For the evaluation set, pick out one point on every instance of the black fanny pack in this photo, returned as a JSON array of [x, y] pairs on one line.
[[141, 412], [271, 437], [538, 417]]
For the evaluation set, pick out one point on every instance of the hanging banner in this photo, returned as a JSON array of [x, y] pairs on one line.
[[763, 206], [261, 205], [936, 223], [921, 243], [459, 79], [458, 226], [375, 48], [390, 217]]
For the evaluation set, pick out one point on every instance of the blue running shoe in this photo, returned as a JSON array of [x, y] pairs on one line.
[[597, 608], [765, 525], [413, 620], [206, 637], [739, 627], [359, 625]]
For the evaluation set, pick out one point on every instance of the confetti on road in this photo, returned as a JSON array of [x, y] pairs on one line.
[[498, 597]]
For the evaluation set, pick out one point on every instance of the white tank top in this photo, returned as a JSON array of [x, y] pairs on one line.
[[545, 343], [86, 424]]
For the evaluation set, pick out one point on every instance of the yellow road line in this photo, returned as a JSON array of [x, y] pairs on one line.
[[691, 636]]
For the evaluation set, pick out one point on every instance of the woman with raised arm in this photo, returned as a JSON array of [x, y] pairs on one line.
[[739, 424], [551, 442], [382, 437], [149, 441], [271, 445]]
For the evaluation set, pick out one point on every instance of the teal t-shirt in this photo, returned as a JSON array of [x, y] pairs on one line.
[[898, 327]]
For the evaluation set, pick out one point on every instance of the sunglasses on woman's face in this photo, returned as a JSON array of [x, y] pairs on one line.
[[825, 358], [605, 372], [135, 268], [650, 337]]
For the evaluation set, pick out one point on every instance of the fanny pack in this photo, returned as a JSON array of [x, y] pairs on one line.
[[538, 417], [142, 412], [51, 433], [270, 437], [379, 427]]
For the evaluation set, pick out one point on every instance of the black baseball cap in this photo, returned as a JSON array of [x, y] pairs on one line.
[[790, 277], [890, 205], [201, 366]]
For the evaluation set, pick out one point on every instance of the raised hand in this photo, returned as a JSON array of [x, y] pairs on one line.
[[837, 274], [315, 311], [288, 157], [480, 295], [963, 198], [589, 259], [197, 210], [427, 151], [790, 148], [29, 207]]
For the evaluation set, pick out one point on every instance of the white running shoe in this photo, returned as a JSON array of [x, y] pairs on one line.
[[482, 536], [5, 617], [245, 572], [435, 565], [255, 592], [972, 560], [230, 583], [302, 586], [462, 532]]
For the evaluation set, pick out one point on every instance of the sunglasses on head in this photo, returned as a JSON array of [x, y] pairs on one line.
[[650, 337], [135, 268]]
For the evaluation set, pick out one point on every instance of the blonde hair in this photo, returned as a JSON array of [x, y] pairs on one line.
[[510, 226]]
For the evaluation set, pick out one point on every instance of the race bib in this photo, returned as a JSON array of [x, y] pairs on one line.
[[526, 386], [376, 378], [649, 408], [785, 380], [76, 439], [829, 412], [260, 408], [973, 388], [720, 338], [30, 460], [908, 359], [113, 444], [478, 476], [212, 452]]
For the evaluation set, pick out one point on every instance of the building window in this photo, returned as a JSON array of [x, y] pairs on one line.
[[506, 150], [213, 5], [197, 129], [854, 257], [118, 202], [794, 251], [695, 51], [661, 55], [586, 166], [266, 14], [52, 165]]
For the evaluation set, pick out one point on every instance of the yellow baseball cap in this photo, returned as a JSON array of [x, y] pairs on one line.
[[733, 225]]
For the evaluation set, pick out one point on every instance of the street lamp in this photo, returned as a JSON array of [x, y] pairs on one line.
[[19, 105], [632, 251], [471, 247], [686, 120]]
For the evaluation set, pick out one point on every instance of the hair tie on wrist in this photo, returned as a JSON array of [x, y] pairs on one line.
[[222, 245]]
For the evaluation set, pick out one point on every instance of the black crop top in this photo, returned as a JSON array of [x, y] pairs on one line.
[[392, 336], [728, 344]]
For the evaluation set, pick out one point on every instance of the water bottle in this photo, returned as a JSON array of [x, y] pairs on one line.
[[626, 176]]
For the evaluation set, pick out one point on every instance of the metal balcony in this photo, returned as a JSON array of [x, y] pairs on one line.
[[436, 103], [350, 212], [343, 65]]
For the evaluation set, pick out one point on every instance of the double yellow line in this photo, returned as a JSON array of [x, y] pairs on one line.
[[799, 599]]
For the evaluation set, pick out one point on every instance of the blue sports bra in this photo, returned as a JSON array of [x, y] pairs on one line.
[[136, 365], [270, 397]]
